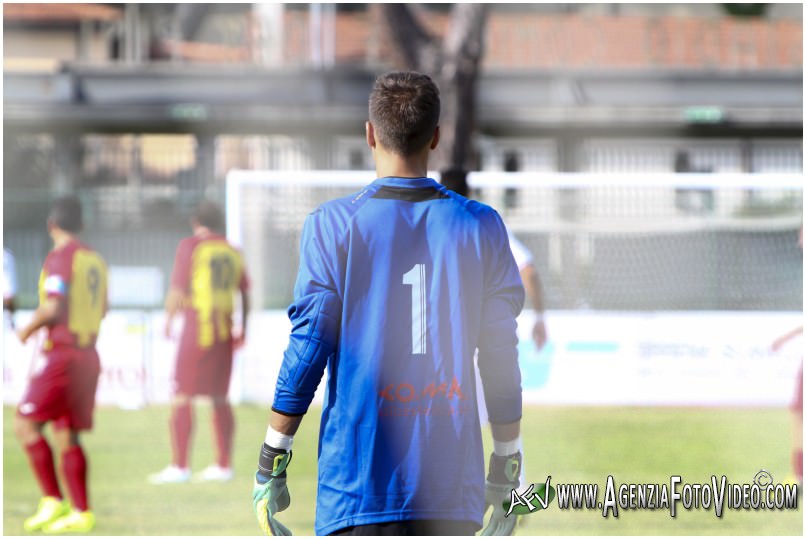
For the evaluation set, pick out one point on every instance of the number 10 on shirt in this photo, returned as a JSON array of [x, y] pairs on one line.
[[415, 278]]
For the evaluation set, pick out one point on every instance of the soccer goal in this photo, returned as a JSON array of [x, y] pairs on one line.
[[600, 241]]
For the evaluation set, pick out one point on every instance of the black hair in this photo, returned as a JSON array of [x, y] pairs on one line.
[[404, 110], [210, 215], [65, 213]]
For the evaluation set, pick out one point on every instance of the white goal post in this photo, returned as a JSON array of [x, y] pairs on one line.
[[652, 281], [607, 241]]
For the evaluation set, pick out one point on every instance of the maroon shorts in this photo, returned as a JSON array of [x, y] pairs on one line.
[[203, 372], [63, 390], [797, 401]]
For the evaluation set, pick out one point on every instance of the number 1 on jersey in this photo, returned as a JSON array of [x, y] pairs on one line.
[[415, 278]]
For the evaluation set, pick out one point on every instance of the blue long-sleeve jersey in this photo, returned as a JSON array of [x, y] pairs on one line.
[[398, 286]]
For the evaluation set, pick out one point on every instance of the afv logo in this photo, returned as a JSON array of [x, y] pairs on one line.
[[520, 503]]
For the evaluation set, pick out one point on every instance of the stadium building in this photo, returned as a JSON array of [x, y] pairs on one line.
[[144, 109], [648, 155]]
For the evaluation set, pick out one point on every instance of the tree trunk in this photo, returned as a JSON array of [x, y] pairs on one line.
[[454, 64], [463, 49], [416, 49]]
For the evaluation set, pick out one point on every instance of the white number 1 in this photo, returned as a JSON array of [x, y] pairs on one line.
[[415, 278]]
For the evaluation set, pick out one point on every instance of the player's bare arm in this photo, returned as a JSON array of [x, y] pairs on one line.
[[285, 424], [46, 314], [506, 432], [173, 304], [534, 290], [240, 338]]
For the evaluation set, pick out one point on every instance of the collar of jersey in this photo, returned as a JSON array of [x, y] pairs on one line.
[[405, 182]]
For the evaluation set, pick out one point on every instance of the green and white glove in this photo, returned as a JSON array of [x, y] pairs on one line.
[[502, 477], [270, 493]]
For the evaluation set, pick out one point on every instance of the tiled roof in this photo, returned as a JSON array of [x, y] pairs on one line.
[[524, 41], [44, 13]]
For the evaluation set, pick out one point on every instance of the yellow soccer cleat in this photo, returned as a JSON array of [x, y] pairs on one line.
[[72, 522], [50, 509]]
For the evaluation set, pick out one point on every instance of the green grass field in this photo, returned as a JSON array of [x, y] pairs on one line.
[[572, 444]]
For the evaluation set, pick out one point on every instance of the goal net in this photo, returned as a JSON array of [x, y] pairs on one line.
[[599, 241]]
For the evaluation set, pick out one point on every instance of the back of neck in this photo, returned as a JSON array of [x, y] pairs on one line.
[[392, 165], [61, 238]]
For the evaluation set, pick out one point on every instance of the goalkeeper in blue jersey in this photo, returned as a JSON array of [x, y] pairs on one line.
[[398, 285]]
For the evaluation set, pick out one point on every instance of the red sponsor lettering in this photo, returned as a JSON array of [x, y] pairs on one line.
[[455, 390], [431, 390], [388, 392], [406, 392]]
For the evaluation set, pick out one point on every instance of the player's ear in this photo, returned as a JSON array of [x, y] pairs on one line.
[[370, 129], [435, 138]]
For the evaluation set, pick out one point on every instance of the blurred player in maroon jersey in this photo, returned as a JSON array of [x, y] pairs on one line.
[[72, 303], [207, 273], [797, 401]]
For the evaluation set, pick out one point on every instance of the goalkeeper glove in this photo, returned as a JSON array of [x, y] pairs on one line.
[[502, 477], [270, 493]]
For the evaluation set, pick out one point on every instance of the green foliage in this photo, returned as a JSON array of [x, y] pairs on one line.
[[572, 444], [745, 10]]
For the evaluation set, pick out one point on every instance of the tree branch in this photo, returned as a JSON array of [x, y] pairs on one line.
[[418, 49], [453, 64]]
